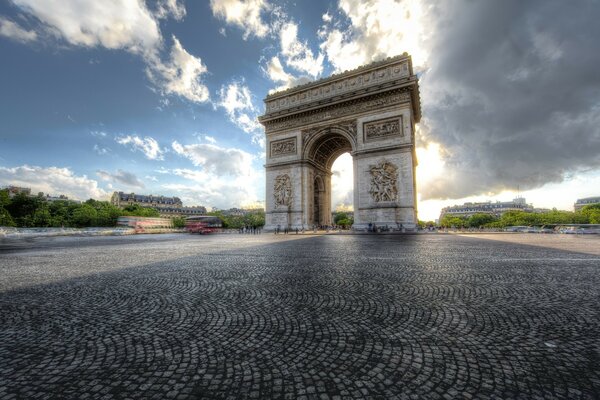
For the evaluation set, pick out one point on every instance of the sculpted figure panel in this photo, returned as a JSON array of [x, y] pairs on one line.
[[382, 129], [283, 147], [282, 191], [383, 182]]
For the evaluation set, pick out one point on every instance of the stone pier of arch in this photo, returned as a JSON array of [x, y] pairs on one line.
[[369, 112]]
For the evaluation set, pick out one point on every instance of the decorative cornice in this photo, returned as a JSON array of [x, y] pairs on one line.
[[349, 108], [384, 75], [345, 74]]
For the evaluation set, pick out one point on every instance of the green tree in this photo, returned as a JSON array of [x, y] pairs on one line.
[[255, 218], [451, 221], [338, 216], [41, 217], [479, 220], [21, 208], [4, 198], [179, 222], [137, 211], [224, 220], [84, 216], [591, 213], [5, 218]]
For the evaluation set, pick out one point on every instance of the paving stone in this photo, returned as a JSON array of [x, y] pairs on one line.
[[323, 317]]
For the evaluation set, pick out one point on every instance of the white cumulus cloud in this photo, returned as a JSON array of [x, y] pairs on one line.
[[120, 25], [226, 177], [180, 75], [216, 160], [236, 99], [170, 8], [297, 54], [117, 24], [53, 180], [244, 14], [377, 29], [14, 31], [147, 145], [121, 177]]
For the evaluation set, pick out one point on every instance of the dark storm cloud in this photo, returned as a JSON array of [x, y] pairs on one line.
[[512, 93], [122, 177]]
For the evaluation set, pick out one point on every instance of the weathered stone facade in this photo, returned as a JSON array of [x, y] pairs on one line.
[[369, 112]]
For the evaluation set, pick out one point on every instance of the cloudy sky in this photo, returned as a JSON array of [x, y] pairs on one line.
[[162, 96]]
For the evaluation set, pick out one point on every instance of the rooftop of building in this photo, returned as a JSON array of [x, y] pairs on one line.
[[595, 199], [149, 197]]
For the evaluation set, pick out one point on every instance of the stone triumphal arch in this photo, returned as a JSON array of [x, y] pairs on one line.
[[369, 112]]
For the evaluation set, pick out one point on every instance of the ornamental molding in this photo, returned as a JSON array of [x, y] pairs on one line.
[[352, 107], [283, 147], [368, 76], [382, 129]]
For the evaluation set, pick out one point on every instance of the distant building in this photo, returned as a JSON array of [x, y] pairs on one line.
[[61, 197], [166, 206], [580, 203], [168, 212], [121, 199], [497, 209], [15, 190], [240, 212]]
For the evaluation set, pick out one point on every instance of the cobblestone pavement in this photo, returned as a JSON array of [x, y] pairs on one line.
[[320, 317]]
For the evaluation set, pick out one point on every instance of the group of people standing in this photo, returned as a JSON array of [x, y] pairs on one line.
[[250, 230]]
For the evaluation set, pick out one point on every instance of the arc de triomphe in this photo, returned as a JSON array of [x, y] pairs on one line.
[[369, 112]]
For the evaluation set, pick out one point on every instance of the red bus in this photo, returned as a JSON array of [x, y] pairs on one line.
[[145, 224], [202, 224]]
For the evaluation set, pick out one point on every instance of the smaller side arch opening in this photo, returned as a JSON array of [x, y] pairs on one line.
[[318, 201]]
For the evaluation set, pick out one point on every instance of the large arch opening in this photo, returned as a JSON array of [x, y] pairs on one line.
[[342, 188], [329, 146]]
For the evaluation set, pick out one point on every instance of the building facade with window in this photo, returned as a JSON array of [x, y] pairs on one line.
[[580, 203], [167, 207], [497, 208]]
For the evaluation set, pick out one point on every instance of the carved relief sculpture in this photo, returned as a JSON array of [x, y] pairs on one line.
[[282, 191], [383, 182], [283, 147], [382, 129]]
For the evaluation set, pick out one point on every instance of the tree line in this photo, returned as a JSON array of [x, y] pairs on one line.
[[254, 219], [587, 215], [34, 211]]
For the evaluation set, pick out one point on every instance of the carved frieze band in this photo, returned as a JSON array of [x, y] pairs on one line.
[[382, 129], [353, 107], [283, 147], [282, 191], [383, 182], [336, 88]]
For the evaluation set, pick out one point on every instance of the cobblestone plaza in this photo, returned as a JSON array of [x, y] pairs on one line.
[[301, 317]]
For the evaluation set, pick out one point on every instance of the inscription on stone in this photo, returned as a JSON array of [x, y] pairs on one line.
[[283, 147], [383, 182], [382, 129], [282, 191]]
